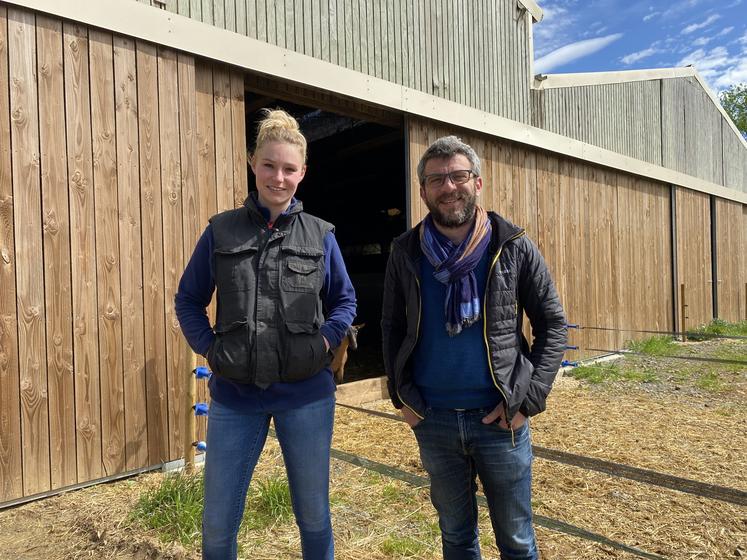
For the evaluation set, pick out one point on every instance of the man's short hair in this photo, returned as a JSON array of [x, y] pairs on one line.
[[447, 147]]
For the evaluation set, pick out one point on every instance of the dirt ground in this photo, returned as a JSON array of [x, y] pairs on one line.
[[674, 424]]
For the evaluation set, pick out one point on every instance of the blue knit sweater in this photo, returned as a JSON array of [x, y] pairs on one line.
[[451, 372]]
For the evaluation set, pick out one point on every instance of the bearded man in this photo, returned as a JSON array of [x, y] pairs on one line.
[[458, 365]]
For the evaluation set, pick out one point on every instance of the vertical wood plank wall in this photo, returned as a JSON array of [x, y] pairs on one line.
[[694, 255], [111, 162], [730, 250], [605, 235]]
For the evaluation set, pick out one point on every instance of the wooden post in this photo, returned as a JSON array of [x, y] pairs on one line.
[[683, 316], [189, 418]]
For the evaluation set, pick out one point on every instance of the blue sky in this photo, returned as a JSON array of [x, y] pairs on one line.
[[610, 35]]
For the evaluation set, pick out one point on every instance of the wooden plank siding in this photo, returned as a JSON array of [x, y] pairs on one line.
[[106, 208], [83, 252], [475, 53], [56, 236], [173, 250], [108, 175], [152, 238], [604, 234], [694, 255], [11, 471], [25, 159], [130, 248], [730, 250]]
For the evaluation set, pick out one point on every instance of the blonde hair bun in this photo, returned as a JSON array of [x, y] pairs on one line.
[[278, 126]]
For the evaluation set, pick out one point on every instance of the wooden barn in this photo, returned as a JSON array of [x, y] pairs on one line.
[[124, 125]]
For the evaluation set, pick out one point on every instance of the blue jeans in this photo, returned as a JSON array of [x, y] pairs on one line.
[[234, 442], [455, 448]]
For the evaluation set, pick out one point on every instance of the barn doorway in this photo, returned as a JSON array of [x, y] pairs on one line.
[[357, 180]]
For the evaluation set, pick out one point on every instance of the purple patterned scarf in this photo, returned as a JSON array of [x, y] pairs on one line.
[[455, 265]]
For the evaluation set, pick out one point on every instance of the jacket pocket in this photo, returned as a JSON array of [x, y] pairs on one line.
[[229, 354], [303, 352]]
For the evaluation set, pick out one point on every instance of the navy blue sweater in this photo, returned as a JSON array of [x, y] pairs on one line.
[[451, 372], [196, 289]]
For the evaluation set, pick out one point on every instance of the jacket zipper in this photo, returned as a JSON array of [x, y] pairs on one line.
[[485, 331]]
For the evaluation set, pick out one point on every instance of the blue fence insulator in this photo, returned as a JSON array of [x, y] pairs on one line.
[[571, 347], [566, 363], [572, 326], [202, 372], [200, 445], [201, 409]]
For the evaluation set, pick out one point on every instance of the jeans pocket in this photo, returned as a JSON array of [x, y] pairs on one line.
[[422, 420]]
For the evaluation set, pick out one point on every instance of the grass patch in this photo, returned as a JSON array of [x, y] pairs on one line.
[[173, 509], [653, 346], [269, 503], [609, 372], [709, 381], [402, 547], [736, 353], [717, 327]]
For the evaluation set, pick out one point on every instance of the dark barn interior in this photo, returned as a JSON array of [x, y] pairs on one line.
[[356, 179]]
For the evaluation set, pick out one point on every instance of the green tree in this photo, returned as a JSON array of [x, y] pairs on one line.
[[734, 102]]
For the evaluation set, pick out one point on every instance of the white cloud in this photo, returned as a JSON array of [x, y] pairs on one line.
[[554, 29], [640, 55], [678, 8], [573, 51], [725, 31], [695, 26], [701, 41], [650, 16], [718, 67]]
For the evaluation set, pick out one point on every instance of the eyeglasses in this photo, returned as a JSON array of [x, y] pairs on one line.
[[458, 177]]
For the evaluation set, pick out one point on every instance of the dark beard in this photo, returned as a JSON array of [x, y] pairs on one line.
[[457, 219]]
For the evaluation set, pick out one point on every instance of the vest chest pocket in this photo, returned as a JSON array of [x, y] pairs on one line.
[[234, 269], [302, 274]]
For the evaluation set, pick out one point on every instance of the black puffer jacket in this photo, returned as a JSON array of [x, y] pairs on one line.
[[518, 280]]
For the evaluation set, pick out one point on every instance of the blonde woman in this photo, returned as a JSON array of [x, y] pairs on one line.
[[284, 299]]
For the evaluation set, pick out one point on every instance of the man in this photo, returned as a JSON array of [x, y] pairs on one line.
[[458, 365]]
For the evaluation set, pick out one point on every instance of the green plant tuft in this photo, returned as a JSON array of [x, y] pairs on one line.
[[717, 327], [607, 373], [173, 509], [269, 502], [653, 346]]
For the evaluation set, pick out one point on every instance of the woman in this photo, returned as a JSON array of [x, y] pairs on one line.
[[275, 269]]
